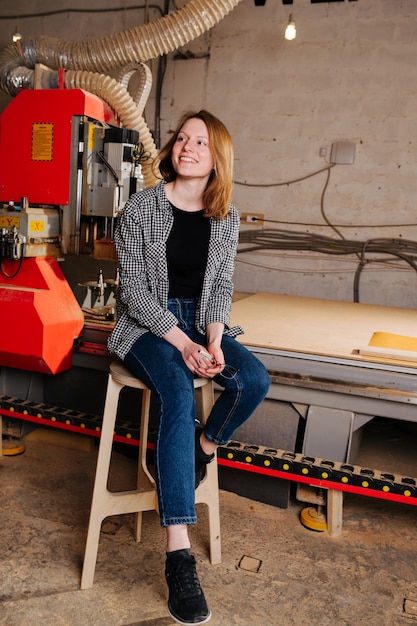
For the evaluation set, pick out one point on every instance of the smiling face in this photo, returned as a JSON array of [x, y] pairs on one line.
[[191, 155]]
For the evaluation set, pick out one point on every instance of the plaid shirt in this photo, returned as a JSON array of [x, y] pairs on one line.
[[140, 238]]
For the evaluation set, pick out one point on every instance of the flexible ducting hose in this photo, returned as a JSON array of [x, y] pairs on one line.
[[113, 91], [119, 99], [127, 50], [143, 89], [101, 55]]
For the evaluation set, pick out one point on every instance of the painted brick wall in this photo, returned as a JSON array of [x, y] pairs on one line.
[[350, 75]]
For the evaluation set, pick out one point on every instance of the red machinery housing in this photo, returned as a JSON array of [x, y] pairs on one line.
[[40, 318], [38, 144], [40, 171]]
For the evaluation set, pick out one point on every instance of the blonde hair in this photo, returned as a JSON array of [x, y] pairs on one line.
[[218, 193]]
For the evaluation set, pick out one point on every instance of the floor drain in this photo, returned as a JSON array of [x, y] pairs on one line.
[[410, 608], [250, 564]]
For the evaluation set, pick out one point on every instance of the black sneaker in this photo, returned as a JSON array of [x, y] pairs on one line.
[[186, 602], [201, 458]]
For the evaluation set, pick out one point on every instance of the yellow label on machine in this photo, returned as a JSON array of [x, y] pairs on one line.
[[42, 141], [91, 136], [7, 221], [36, 226]]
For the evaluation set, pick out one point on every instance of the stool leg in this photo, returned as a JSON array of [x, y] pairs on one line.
[[145, 480], [98, 511], [208, 493], [334, 512], [208, 490], [207, 400]]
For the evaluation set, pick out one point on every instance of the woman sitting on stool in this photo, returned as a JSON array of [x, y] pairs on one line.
[[176, 244]]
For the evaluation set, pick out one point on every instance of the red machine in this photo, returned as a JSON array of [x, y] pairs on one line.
[[40, 317], [65, 168], [39, 143]]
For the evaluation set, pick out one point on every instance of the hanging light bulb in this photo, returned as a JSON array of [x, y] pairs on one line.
[[16, 35], [290, 31]]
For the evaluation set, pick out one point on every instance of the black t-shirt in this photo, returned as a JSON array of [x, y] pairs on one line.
[[187, 249]]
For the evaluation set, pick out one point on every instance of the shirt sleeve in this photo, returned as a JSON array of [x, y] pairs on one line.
[[142, 269], [225, 246]]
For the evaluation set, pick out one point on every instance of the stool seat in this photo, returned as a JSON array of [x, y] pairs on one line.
[[144, 498]]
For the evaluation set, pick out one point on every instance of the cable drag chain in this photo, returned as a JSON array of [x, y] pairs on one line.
[[281, 464]]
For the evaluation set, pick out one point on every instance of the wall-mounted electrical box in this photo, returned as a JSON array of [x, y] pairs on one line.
[[343, 153]]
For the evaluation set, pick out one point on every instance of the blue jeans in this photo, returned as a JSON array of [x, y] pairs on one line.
[[160, 365]]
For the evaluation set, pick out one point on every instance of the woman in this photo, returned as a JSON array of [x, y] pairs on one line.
[[176, 245]]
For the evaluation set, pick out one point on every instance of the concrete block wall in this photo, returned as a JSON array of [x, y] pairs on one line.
[[348, 76]]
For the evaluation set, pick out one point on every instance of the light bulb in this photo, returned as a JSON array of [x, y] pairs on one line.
[[16, 36], [290, 31]]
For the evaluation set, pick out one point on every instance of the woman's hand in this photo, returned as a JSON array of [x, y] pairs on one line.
[[211, 362], [204, 362], [200, 361]]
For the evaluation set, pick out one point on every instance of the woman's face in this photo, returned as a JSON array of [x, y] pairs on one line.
[[191, 155]]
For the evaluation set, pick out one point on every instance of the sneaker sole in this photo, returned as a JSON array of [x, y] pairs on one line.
[[179, 621]]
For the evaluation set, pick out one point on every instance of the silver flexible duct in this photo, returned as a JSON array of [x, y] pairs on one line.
[[128, 50], [101, 55]]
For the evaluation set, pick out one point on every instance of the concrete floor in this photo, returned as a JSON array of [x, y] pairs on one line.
[[305, 578]]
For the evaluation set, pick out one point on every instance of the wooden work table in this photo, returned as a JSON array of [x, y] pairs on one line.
[[312, 347], [318, 327]]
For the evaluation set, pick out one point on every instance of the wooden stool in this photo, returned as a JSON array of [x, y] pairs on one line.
[[105, 503]]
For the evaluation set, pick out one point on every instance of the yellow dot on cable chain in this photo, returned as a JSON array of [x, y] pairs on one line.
[[11, 409], [39, 415], [304, 470], [230, 455], [345, 479], [325, 475], [385, 488], [25, 412], [82, 425], [98, 428], [267, 463], [286, 467], [407, 493], [67, 422], [53, 419], [248, 459], [365, 483], [128, 436]]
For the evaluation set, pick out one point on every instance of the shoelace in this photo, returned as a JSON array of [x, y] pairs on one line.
[[186, 580]]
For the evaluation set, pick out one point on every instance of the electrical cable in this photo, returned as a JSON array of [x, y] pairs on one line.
[[116, 9], [275, 239], [322, 211], [160, 76], [19, 267], [287, 182], [268, 221], [109, 167], [329, 224]]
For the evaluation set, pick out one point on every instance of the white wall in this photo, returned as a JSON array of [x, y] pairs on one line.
[[350, 75]]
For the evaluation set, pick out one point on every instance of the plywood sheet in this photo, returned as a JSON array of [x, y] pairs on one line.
[[316, 326]]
